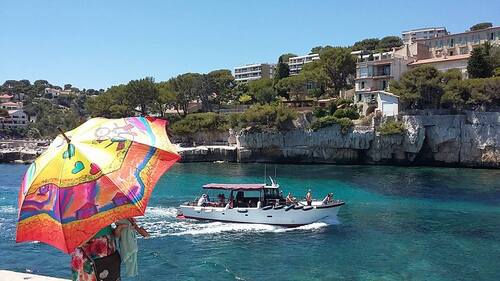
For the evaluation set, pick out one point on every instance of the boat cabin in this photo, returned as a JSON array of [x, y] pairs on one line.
[[242, 195]]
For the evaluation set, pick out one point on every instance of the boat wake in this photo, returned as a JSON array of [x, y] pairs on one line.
[[161, 222]]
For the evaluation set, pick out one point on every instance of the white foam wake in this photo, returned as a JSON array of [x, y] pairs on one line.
[[219, 227], [161, 212], [193, 228]]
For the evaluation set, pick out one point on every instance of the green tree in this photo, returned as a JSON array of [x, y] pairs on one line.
[[282, 68], [187, 87], [293, 86], [389, 42], [142, 94], [420, 87], [479, 65], [166, 97], [113, 103], [262, 90], [370, 44], [314, 75], [222, 84], [339, 67], [482, 25], [320, 49]]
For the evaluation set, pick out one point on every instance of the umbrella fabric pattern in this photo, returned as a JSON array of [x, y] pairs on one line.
[[105, 173]]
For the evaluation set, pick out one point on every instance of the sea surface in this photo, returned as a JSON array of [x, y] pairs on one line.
[[399, 223]]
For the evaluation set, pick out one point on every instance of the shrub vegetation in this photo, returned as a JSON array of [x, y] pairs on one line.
[[200, 122], [327, 121], [392, 128], [265, 116]]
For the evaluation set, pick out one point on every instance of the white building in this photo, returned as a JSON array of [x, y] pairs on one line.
[[53, 91], [410, 36], [374, 71], [373, 101], [11, 105], [17, 118], [295, 64], [249, 72]]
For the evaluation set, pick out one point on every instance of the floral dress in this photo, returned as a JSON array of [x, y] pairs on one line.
[[101, 245]]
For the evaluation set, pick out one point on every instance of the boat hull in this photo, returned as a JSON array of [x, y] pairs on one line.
[[284, 216]]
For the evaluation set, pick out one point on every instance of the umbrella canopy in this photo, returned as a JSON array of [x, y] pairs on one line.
[[90, 177]]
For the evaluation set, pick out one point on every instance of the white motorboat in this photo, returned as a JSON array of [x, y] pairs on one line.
[[256, 203]]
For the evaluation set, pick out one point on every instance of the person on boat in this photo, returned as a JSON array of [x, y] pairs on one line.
[[222, 200], [290, 199], [231, 201], [203, 201], [309, 198], [328, 199]]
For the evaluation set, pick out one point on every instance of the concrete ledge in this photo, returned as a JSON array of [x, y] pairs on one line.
[[6, 275]]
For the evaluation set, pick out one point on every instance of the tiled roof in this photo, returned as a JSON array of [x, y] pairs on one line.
[[442, 59], [8, 103]]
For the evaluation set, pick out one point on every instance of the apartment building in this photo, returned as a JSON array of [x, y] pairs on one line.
[[411, 36], [453, 50], [17, 117], [249, 72], [461, 43], [373, 73], [295, 64]]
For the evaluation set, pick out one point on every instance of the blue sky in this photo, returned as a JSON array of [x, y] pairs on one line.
[[99, 43]]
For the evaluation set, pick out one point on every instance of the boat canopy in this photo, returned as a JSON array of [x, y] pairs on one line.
[[235, 186]]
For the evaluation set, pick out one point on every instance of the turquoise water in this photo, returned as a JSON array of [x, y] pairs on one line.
[[398, 224]]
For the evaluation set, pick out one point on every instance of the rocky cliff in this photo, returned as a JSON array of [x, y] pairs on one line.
[[472, 139]]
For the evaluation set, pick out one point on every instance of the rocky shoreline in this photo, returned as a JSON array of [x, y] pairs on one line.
[[468, 140]]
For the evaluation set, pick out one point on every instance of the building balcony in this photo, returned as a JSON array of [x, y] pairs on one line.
[[382, 76]]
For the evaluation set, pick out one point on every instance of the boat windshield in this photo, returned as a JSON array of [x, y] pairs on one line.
[[271, 193]]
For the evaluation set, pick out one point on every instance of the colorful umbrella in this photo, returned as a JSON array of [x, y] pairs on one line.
[[90, 177]]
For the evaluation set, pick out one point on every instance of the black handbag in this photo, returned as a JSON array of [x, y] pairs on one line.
[[106, 268]]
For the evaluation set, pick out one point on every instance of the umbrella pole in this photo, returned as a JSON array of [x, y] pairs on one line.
[[64, 135], [68, 140]]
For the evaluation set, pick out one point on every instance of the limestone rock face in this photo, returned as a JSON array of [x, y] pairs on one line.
[[480, 140], [208, 154], [472, 139]]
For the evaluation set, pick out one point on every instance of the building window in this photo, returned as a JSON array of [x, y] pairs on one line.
[[359, 97], [363, 72], [492, 36], [384, 84], [362, 85], [451, 53]]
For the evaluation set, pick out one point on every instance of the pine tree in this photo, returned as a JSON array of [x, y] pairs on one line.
[[479, 66]]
